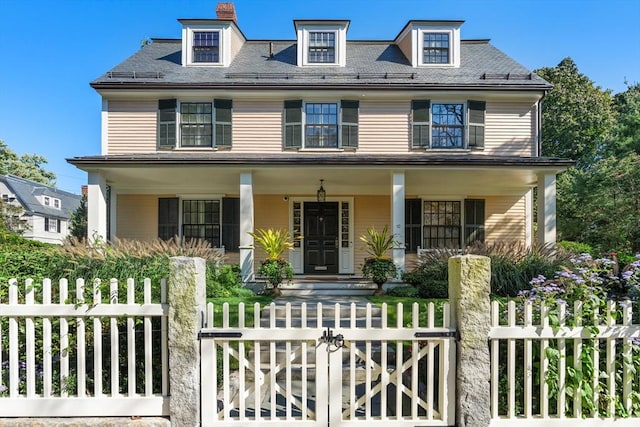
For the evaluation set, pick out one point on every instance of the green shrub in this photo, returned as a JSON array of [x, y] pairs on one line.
[[576, 248], [242, 293], [403, 291], [222, 281], [434, 289]]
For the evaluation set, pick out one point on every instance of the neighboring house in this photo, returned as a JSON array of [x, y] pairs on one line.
[[46, 211], [213, 135]]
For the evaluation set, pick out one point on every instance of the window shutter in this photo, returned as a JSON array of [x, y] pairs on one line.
[[412, 224], [58, 224], [223, 109], [349, 123], [46, 224], [476, 123], [167, 123], [292, 124], [167, 217], [473, 221], [231, 224], [421, 120]]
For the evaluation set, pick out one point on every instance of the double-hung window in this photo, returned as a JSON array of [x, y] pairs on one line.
[[206, 47], [320, 125], [448, 125], [447, 226], [436, 48], [201, 220], [194, 124], [322, 47], [52, 225]]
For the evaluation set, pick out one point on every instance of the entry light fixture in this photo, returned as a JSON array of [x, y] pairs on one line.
[[321, 194]]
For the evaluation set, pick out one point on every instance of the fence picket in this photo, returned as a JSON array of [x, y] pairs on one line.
[[577, 361], [596, 366], [544, 365], [511, 361], [164, 339], [14, 361], [528, 363], [611, 361], [627, 372], [148, 342], [81, 375], [30, 341], [562, 369], [97, 342], [114, 335], [131, 341], [47, 371], [495, 359], [64, 340], [384, 370], [430, 360]]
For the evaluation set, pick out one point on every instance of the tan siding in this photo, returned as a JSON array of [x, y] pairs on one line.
[[509, 129], [132, 127], [368, 211], [505, 218], [384, 127], [406, 46], [137, 217], [236, 42], [270, 212], [257, 126]]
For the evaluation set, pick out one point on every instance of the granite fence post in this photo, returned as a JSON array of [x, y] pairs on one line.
[[187, 301], [469, 289]]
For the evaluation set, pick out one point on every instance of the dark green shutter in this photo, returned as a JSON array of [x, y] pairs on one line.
[[349, 123], [223, 109], [231, 224], [168, 217], [421, 120], [167, 123], [476, 123], [412, 224], [292, 124], [474, 213]]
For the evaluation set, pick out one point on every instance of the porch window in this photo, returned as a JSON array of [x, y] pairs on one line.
[[201, 220], [445, 226], [440, 125], [320, 124], [198, 124]]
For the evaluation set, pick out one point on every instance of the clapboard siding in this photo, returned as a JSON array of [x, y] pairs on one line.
[[384, 127], [257, 126], [509, 129], [132, 127], [137, 216], [505, 218], [368, 211]]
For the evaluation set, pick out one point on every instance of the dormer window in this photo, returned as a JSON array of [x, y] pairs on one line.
[[322, 47], [47, 201], [435, 48], [206, 46], [56, 203], [322, 43]]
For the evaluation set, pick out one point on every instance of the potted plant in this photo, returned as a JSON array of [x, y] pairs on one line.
[[275, 268], [378, 266]]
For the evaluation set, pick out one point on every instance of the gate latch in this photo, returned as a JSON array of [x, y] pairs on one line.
[[328, 338]]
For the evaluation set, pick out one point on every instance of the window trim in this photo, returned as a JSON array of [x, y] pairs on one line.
[[188, 34], [463, 220], [304, 28], [57, 224], [216, 104], [338, 124], [192, 47], [454, 46], [463, 126], [467, 105], [335, 46], [181, 222], [426, 33]]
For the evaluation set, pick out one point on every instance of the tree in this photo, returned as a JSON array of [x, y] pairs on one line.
[[11, 221], [627, 129], [28, 166], [577, 115], [78, 226]]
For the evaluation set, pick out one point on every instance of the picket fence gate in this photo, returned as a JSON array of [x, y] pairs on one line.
[[57, 350], [328, 365], [595, 369]]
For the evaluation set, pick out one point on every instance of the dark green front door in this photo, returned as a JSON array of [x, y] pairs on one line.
[[320, 237]]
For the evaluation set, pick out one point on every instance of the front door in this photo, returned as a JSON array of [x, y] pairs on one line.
[[320, 237]]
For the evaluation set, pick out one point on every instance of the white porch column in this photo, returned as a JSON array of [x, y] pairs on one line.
[[113, 213], [96, 207], [547, 209], [246, 226], [397, 220], [528, 223]]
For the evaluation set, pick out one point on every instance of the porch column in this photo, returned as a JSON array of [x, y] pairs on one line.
[[113, 213], [96, 207], [246, 226], [397, 220], [547, 209]]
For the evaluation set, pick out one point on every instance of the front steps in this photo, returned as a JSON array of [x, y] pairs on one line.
[[328, 286]]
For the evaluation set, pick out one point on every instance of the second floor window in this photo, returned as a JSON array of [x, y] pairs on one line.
[[206, 46], [321, 124], [322, 47], [198, 124], [447, 125], [52, 225]]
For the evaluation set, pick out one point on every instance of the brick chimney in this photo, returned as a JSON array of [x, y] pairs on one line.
[[226, 11]]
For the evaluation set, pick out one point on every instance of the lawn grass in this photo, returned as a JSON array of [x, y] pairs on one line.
[[249, 303], [407, 304]]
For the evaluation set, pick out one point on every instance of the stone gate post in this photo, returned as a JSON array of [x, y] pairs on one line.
[[187, 301], [469, 289]]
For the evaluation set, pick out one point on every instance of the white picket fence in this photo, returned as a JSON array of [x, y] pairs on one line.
[[86, 354], [328, 365], [526, 350]]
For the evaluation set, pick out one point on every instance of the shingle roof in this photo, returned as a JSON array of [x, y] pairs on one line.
[[26, 192], [374, 64]]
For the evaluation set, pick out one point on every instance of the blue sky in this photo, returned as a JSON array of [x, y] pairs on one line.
[[52, 49]]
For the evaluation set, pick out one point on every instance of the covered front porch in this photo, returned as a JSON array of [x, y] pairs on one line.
[[125, 194]]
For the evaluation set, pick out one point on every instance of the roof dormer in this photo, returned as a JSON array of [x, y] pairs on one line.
[[431, 43], [321, 42], [210, 42]]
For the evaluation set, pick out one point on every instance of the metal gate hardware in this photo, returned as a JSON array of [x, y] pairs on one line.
[[207, 334], [327, 337]]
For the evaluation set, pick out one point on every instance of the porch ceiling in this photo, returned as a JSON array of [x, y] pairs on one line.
[[305, 180]]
